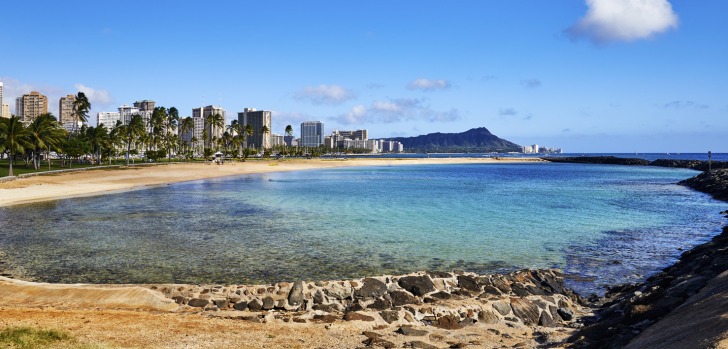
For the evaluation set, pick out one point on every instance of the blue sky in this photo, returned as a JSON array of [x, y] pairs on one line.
[[585, 75]]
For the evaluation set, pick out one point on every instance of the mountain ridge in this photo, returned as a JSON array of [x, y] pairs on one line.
[[478, 139]]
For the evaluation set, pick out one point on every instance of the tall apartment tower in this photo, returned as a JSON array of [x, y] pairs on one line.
[[312, 133], [6, 111], [145, 105], [31, 105], [256, 119], [65, 109], [202, 113]]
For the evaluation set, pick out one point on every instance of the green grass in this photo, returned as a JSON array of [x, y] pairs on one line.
[[20, 168], [30, 338]]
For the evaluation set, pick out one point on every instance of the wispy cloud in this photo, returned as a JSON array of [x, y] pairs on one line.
[[396, 110], [685, 105], [13, 88], [95, 96], [428, 84], [325, 94], [623, 20], [531, 83], [507, 112]]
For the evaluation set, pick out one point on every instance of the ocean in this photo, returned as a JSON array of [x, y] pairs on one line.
[[602, 225]]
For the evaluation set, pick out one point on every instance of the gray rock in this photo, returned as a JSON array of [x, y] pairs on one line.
[[502, 307], [389, 316], [411, 331], [566, 313], [490, 291], [417, 285], [295, 297], [243, 305], [319, 297], [268, 303], [421, 345], [198, 302], [380, 304], [488, 317], [255, 305], [221, 303], [372, 288], [400, 298], [469, 283], [545, 320], [329, 308], [441, 295], [525, 310]]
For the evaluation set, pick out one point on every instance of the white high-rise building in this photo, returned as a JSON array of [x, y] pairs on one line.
[[212, 130], [108, 118]]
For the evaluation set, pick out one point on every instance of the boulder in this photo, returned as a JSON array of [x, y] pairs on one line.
[[255, 305], [400, 298], [417, 285], [389, 316], [295, 297], [526, 310], [502, 307], [469, 283], [198, 302], [372, 288], [411, 331], [242, 305], [268, 303], [354, 316], [488, 317], [448, 322], [565, 313], [546, 320]]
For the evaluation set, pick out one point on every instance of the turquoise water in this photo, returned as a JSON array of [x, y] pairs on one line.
[[602, 224]]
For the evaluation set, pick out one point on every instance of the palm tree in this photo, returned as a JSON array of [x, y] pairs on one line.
[[134, 130], [44, 133], [14, 138], [170, 124], [98, 137], [248, 133], [81, 106], [214, 122], [186, 126]]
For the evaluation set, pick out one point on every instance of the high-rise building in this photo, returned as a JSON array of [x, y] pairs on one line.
[[31, 105], [108, 118], [145, 105], [256, 120], [276, 139], [195, 134], [312, 133], [65, 109], [6, 111], [204, 112]]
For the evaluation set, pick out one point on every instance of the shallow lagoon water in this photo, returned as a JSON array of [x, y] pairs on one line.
[[602, 224]]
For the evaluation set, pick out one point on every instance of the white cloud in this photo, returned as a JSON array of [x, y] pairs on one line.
[[396, 110], [624, 20], [507, 112], [531, 83], [428, 84], [95, 96], [325, 94]]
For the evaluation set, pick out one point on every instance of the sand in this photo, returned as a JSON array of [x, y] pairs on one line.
[[104, 181]]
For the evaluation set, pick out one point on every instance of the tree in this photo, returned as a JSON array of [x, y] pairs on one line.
[[170, 124], [98, 138], [264, 143], [186, 127], [81, 106], [134, 130], [44, 134], [248, 133], [14, 137]]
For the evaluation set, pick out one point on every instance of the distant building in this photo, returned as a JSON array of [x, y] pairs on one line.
[[108, 118], [6, 111], [145, 105], [65, 108], [535, 149], [201, 113], [195, 133], [312, 133], [256, 119], [391, 147], [288, 140], [276, 140], [29, 106]]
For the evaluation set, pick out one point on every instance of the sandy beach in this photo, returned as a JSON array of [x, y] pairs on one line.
[[104, 181]]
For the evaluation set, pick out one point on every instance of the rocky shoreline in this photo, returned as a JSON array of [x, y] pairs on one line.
[[613, 160]]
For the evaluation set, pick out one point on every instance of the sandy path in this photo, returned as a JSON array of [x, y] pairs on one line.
[[86, 183]]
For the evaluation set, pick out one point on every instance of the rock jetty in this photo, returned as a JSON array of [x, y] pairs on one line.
[[412, 305], [713, 182], [613, 160]]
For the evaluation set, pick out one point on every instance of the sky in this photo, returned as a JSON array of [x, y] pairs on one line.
[[583, 75]]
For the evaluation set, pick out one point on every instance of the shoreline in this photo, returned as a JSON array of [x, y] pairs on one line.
[[101, 181]]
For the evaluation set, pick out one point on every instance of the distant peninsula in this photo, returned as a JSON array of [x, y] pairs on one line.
[[476, 140]]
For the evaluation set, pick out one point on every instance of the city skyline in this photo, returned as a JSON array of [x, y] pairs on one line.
[[531, 72]]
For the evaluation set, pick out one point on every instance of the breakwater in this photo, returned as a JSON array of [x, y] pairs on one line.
[[613, 160]]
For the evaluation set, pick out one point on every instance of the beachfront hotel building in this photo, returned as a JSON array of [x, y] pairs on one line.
[[312, 133], [107, 118], [65, 109], [212, 131], [256, 119], [145, 105], [196, 132], [30, 105], [5, 111], [276, 139]]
